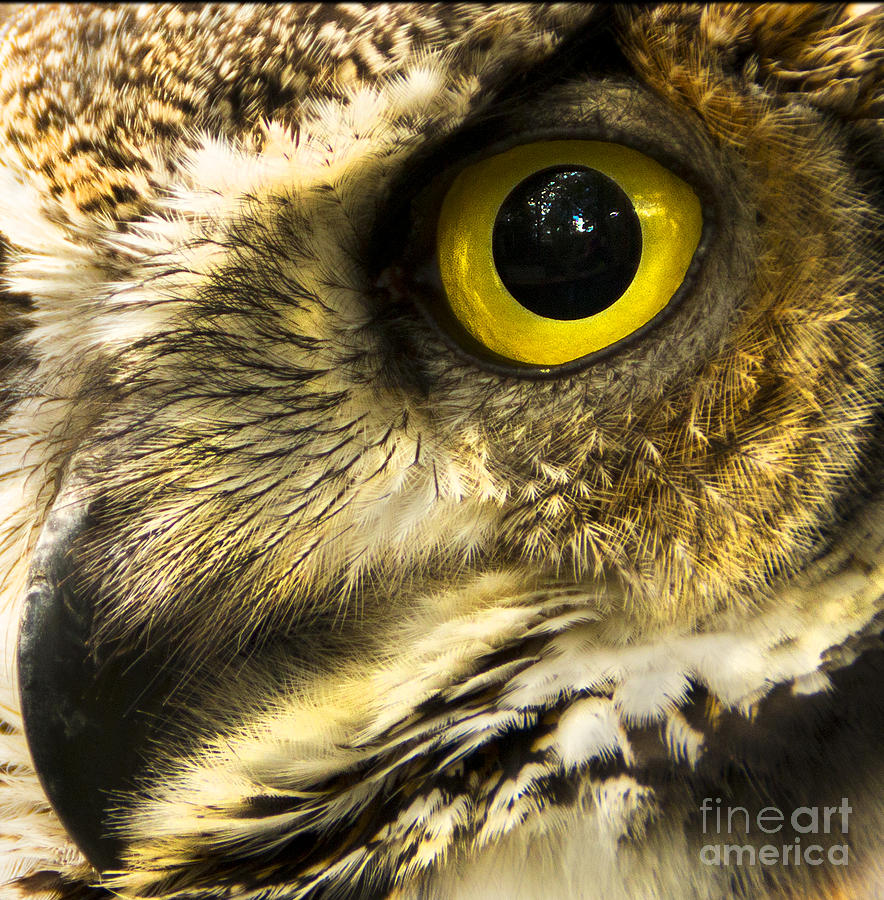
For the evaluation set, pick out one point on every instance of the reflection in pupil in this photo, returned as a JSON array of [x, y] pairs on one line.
[[566, 242]]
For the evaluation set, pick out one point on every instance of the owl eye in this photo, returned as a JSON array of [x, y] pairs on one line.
[[553, 250]]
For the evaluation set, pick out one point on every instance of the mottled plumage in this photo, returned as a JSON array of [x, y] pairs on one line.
[[414, 627]]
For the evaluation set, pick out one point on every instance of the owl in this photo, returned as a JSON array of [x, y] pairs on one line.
[[440, 451]]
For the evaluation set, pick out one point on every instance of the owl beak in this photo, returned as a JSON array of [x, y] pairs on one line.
[[88, 715]]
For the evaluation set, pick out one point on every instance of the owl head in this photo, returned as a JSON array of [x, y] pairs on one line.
[[441, 450]]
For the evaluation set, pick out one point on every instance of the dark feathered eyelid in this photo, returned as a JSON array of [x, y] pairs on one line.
[[422, 184], [655, 150], [408, 268]]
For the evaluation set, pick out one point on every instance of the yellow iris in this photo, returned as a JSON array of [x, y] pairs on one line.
[[669, 215]]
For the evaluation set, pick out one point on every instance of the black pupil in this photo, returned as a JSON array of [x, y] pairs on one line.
[[566, 242]]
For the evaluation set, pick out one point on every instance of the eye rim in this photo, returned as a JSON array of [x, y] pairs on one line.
[[416, 198]]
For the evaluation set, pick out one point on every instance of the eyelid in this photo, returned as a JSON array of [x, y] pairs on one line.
[[428, 175]]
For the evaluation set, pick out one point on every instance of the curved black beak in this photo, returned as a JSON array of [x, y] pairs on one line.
[[88, 713]]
